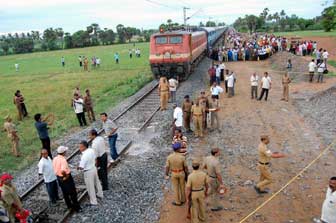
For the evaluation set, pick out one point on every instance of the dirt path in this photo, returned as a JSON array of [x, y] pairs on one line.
[[243, 121]]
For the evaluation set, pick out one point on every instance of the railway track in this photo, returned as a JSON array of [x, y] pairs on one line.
[[144, 108]]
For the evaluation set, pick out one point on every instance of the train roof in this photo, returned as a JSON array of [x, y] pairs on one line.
[[210, 29], [178, 32]]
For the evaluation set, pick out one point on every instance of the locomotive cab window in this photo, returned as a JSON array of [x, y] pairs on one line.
[[175, 39], [161, 40]]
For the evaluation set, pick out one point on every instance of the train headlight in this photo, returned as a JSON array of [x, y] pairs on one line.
[[167, 55], [158, 54]]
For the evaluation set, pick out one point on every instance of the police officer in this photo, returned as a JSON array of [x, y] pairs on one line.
[[197, 189], [213, 109], [12, 135], [204, 102], [212, 168], [177, 166], [265, 156], [186, 108], [163, 93], [285, 83], [197, 113]]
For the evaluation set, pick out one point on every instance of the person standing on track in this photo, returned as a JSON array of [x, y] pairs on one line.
[[163, 93], [265, 156], [178, 119], [12, 134], [177, 166], [41, 126], [215, 180], [172, 88], [65, 180], [285, 83], [110, 130], [197, 113], [266, 85], [88, 166], [186, 108], [98, 145], [213, 110], [197, 189], [45, 168], [216, 90], [329, 208], [254, 85]]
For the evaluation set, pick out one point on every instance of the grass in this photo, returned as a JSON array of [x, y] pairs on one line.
[[309, 33], [332, 63], [48, 87]]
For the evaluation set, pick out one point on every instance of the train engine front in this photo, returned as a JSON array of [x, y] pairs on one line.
[[170, 54]]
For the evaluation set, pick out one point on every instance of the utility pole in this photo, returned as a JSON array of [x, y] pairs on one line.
[[185, 16]]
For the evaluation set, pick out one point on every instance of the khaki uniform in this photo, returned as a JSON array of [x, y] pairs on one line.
[[285, 83], [186, 108], [86, 64], [10, 197], [12, 135], [198, 113], [263, 166], [89, 108], [212, 167], [204, 103], [197, 181], [164, 94], [18, 105], [214, 114], [176, 164]]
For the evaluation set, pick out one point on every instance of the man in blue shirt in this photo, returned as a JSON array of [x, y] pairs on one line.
[[41, 125]]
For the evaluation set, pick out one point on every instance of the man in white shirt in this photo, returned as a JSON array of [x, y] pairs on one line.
[[45, 168], [320, 71], [222, 68], [172, 88], [178, 118], [88, 166], [325, 55], [78, 105], [266, 85], [99, 147], [218, 74], [329, 205], [110, 130], [231, 84], [216, 90], [254, 85], [312, 66]]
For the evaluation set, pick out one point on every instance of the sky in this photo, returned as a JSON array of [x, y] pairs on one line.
[[72, 15]]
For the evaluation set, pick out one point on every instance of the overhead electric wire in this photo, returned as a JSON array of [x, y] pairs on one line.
[[160, 4]]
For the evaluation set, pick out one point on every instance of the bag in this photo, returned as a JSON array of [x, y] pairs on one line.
[[325, 71]]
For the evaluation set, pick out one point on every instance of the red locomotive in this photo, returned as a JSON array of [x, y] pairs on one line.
[[175, 53]]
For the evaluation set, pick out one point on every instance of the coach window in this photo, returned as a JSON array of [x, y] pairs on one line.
[[175, 39], [161, 40]]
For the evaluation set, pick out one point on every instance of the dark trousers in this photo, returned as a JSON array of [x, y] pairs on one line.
[[320, 77], [311, 76], [226, 87], [102, 170], [254, 92], [24, 110], [81, 118], [52, 189], [264, 91], [69, 192], [46, 145], [112, 143]]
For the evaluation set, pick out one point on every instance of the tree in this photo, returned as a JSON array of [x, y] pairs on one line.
[[251, 22], [5, 46], [23, 45], [210, 24], [329, 18], [67, 41], [221, 24], [201, 24], [121, 33], [81, 38], [50, 38], [60, 36]]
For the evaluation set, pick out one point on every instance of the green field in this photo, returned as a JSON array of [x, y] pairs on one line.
[[317, 33], [48, 87]]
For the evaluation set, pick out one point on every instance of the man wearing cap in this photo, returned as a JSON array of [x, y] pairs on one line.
[[186, 108], [265, 156], [197, 189], [65, 180], [177, 166], [9, 196], [197, 113], [98, 145], [87, 165], [215, 180], [9, 127], [204, 103], [163, 93], [45, 168]]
